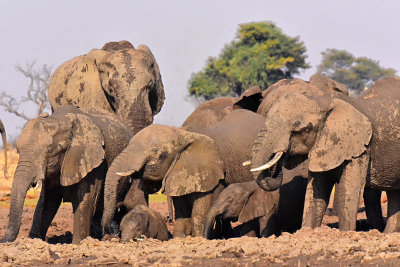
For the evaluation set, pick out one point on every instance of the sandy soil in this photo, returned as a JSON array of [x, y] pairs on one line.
[[325, 246]]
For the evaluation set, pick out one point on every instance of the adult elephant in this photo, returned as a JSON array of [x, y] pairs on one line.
[[117, 78], [187, 166], [352, 143], [70, 152], [213, 111], [4, 138]]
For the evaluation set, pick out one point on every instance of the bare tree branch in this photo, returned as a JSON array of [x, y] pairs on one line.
[[36, 92]]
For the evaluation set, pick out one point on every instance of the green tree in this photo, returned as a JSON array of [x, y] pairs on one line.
[[261, 54], [355, 73]]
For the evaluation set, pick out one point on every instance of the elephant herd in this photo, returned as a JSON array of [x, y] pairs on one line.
[[268, 159]]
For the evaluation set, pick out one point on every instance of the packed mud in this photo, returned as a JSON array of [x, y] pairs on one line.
[[325, 246]]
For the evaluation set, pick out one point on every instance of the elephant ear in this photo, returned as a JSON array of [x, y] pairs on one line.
[[85, 151], [259, 204], [197, 169], [250, 99], [84, 85], [345, 135]]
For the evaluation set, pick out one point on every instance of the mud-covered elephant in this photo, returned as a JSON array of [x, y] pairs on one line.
[[187, 166], [349, 141], [69, 151], [143, 221], [213, 111], [261, 213], [117, 78], [4, 138]]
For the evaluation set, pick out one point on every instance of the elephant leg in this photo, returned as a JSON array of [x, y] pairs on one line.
[[373, 208], [170, 209], [268, 225], [46, 208], [183, 222], [85, 206], [201, 205], [393, 213], [350, 190], [318, 191], [250, 228]]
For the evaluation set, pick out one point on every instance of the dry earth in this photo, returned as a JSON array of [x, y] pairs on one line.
[[325, 246]]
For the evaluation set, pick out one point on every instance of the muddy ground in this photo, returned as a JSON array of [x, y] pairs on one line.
[[325, 246]]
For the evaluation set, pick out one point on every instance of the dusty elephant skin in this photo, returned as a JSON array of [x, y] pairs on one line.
[[68, 151], [117, 78], [213, 111], [193, 165], [143, 221], [4, 138], [349, 141], [261, 213]]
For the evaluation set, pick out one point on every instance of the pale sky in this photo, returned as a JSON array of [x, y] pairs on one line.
[[182, 35]]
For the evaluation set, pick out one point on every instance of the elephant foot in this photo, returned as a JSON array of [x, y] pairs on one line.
[[182, 227]]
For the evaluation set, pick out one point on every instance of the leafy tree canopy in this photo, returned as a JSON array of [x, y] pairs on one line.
[[261, 54], [356, 73]]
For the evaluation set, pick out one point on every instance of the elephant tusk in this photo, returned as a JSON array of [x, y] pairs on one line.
[[127, 173], [270, 163], [247, 162]]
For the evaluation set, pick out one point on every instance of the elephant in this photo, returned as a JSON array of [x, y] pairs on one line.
[[261, 213], [189, 167], [69, 151], [349, 141], [213, 111], [117, 78], [143, 221], [4, 138]]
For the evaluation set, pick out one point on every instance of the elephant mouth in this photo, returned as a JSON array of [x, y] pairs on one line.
[[269, 177], [270, 163]]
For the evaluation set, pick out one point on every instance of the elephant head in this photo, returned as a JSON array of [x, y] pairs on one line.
[[118, 78], [61, 148], [181, 162], [4, 138], [261, 102], [328, 131]]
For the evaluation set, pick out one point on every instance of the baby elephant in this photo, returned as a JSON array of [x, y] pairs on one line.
[[261, 213], [247, 203], [142, 220]]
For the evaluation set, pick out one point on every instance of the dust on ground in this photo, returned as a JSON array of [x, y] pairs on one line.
[[325, 246]]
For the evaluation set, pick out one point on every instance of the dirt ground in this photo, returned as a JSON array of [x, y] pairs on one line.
[[325, 246]]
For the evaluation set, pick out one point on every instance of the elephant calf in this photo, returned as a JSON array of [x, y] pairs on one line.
[[142, 220], [261, 213]]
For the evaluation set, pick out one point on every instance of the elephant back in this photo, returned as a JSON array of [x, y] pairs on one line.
[[234, 137], [209, 114]]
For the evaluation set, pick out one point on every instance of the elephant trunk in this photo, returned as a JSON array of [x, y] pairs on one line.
[[271, 179], [122, 163], [210, 220], [22, 180], [4, 138], [135, 110], [269, 146]]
